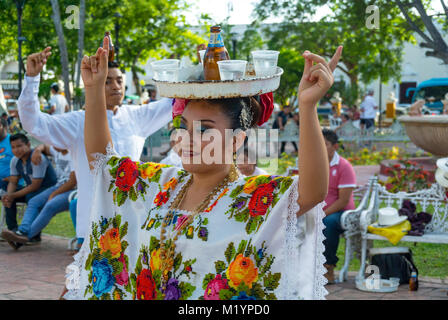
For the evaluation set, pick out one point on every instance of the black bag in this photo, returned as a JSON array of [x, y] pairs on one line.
[[395, 265]]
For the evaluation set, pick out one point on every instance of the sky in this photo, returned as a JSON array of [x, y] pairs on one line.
[[242, 11]]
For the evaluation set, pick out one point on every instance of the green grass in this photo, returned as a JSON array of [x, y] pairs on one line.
[[61, 225]]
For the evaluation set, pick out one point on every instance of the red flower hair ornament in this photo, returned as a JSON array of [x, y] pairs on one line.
[[266, 101]]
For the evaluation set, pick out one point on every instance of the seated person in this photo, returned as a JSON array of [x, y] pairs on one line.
[[339, 198], [247, 168], [5, 154], [37, 178], [345, 118], [48, 203]]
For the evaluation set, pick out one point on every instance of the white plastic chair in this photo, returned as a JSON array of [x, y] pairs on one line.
[[72, 242]]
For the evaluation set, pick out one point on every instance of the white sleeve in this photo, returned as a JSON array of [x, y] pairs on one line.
[[58, 130], [151, 117]]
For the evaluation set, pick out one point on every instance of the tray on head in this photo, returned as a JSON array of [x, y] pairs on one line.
[[201, 89]]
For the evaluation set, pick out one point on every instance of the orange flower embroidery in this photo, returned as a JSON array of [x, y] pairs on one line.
[[172, 183], [242, 269], [111, 242]]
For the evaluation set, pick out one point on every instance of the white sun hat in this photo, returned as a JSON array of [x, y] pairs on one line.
[[388, 217], [442, 172]]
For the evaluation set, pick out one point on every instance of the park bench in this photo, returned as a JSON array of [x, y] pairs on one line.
[[432, 201]]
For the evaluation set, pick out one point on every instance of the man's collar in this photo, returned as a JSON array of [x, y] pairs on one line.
[[335, 160]]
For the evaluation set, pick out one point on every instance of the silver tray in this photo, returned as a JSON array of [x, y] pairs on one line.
[[201, 89]]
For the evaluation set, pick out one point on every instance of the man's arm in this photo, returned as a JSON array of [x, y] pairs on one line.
[[151, 117], [344, 195], [36, 157], [67, 186], [58, 130], [34, 186]]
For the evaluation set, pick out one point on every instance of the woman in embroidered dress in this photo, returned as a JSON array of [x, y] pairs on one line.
[[165, 233]]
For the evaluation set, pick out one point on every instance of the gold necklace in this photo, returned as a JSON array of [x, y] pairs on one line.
[[167, 250]]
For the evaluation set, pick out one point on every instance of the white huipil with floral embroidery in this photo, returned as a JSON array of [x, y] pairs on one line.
[[248, 244]]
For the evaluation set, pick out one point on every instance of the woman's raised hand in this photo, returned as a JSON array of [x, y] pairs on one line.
[[317, 77], [94, 68]]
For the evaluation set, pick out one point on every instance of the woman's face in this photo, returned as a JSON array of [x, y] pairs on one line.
[[201, 139]]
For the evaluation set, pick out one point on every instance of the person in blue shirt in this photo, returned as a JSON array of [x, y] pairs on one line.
[[37, 179], [5, 154]]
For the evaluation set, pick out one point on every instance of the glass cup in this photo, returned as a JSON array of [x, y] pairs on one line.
[[395, 280], [232, 69], [166, 70], [265, 62], [202, 55]]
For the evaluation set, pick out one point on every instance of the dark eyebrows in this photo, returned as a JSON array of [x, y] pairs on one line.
[[118, 78], [202, 120]]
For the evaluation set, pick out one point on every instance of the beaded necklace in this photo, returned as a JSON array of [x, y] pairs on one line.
[[167, 250]]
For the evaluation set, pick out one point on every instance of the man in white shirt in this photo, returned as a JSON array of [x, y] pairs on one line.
[[129, 126], [58, 103], [368, 110]]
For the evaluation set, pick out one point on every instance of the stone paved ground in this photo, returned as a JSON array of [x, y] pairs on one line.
[[37, 272]]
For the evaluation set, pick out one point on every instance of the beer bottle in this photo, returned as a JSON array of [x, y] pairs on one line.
[[111, 46], [216, 51], [413, 282]]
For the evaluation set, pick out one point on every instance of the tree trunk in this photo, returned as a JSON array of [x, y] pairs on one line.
[[82, 15], [136, 81], [63, 49]]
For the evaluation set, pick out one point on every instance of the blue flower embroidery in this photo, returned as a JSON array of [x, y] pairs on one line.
[[102, 277]]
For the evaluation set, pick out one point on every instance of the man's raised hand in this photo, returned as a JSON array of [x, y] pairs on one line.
[[36, 61], [94, 68]]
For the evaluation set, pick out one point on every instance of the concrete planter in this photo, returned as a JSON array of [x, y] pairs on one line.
[[428, 132]]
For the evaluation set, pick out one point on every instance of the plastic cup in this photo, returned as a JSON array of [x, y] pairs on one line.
[[166, 70], [265, 62], [232, 69], [202, 55]]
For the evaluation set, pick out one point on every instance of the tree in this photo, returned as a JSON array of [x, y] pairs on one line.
[[368, 54], [63, 49], [432, 39]]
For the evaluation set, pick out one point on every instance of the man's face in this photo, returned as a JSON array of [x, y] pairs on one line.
[[331, 149], [115, 88], [20, 148], [286, 110]]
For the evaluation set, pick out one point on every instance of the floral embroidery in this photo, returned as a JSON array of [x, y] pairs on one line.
[[127, 174], [245, 276], [222, 194], [255, 198], [242, 269], [147, 275], [171, 184], [107, 262], [161, 198], [111, 242]]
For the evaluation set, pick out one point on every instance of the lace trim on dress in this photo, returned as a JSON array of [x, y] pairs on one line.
[[100, 159], [73, 275], [290, 252], [320, 281]]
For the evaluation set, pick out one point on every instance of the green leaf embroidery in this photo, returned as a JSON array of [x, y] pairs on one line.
[[208, 277], [225, 294], [177, 261], [132, 194], [186, 290], [230, 252], [220, 266], [271, 281], [124, 230]]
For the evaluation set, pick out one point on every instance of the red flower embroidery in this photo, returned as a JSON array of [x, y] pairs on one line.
[[127, 173], [146, 287], [261, 199], [161, 198]]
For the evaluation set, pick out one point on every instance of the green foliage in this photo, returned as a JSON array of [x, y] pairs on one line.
[[369, 54], [148, 28]]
